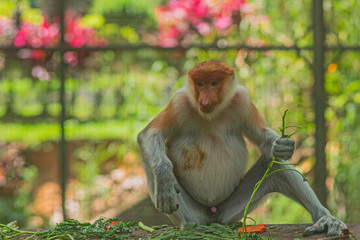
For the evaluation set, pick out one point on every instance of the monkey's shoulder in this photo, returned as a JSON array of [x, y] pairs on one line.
[[182, 106], [240, 98]]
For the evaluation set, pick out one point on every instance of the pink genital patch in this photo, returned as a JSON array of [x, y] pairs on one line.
[[213, 209]]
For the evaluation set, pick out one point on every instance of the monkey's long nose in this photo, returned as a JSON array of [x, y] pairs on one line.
[[206, 105], [205, 102]]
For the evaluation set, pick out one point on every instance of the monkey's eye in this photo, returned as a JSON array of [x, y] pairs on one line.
[[199, 84], [214, 84]]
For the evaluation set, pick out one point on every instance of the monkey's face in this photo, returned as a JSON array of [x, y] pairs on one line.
[[208, 94], [209, 83]]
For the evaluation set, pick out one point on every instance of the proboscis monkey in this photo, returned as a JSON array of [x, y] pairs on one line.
[[195, 157]]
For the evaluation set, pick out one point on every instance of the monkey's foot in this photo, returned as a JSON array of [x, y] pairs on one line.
[[329, 224]]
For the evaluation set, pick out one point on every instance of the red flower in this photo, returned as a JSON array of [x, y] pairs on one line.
[[108, 225], [38, 54]]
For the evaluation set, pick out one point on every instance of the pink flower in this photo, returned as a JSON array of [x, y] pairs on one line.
[[71, 58], [7, 30], [78, 35], [200, 9], [173, 31], [41, 73], [223, 22], [20, 39], [204, 16], [168, 42], [47, 34], [203, 28], [169, 37]]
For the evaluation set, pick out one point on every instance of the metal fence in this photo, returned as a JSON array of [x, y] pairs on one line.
[[317, 64]]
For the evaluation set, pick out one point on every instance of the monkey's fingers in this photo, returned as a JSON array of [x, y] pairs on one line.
[[283, 148], [314, 229], [283, 151], [166, 204], [165, 198], [285, 141], [283, 156]]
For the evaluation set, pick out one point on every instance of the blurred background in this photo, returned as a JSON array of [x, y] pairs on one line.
[[80, 79]]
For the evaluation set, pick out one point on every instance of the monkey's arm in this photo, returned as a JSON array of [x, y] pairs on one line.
[[158, 167], [269, 142]]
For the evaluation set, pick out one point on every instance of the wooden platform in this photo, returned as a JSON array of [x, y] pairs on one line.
[[274, 231], [293, 231]]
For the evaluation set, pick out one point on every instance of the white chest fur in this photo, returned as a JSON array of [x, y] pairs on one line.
[[199, 157]]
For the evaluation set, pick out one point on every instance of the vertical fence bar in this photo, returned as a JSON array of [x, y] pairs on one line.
[[62, 149], [319, 101]]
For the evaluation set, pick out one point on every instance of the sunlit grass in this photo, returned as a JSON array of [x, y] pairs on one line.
[[33, 134]]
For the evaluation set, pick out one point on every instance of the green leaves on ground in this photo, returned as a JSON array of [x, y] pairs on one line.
[[113, 229]]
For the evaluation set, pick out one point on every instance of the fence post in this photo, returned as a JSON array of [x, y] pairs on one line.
[[62, 144], [319, 101]]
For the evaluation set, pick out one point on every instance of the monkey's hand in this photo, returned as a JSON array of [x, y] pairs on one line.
[[283, 148], [327, 223], [166, 190]]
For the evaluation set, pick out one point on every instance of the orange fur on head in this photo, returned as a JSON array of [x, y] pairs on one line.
[[211, 70]]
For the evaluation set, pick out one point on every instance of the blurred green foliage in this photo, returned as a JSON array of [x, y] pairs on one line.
[[116, 93], [122, 7]]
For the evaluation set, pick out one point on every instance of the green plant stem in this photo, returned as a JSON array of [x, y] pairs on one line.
[[257, 185], [15, 230], [285, 163], [283, 127], [160, 226], [279, 170], [146, 228], [267, 174]]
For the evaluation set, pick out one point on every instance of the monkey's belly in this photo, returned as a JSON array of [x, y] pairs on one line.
[[211, 186], [210, 174]]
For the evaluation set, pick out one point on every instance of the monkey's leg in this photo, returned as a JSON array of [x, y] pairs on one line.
[[294, 186], [190, 211], [287, 182], [232, 209]]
